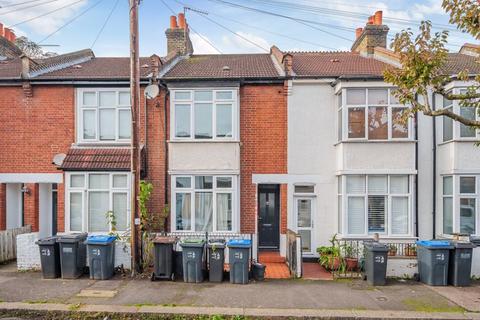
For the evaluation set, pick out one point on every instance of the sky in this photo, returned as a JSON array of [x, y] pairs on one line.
[[327, 25]]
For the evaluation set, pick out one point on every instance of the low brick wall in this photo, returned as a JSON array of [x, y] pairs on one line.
[[28, 254]]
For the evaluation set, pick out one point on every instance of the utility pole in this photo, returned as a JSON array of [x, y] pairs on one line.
[[135, 152]]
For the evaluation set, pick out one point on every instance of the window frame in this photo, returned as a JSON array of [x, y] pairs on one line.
[[234, 101], [79, 108], [342, 205], [192, 190], [390, 105], [456, 200], [85, 192]]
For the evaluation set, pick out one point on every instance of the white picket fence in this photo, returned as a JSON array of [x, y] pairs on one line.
[[8, 242]]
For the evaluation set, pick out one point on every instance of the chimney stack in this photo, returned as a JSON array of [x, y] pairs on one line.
[[178, 36], [374, 34]]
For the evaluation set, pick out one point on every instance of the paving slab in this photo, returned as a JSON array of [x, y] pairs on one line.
[[466, 297]]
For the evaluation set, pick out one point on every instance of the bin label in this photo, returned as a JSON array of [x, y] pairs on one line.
[[191, 255], [379, 259], [67, 250], [238, 255], [215, 256], [465, 255], [440, 256], [45, 252], [95, 252]]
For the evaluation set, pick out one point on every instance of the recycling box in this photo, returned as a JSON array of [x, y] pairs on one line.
[[49, 257], [433, 261], [101, 256]]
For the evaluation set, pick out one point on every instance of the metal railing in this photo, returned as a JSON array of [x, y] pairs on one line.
[[294, 253]]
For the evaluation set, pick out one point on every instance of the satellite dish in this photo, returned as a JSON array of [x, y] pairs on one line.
[[152, 91], [58, 159]]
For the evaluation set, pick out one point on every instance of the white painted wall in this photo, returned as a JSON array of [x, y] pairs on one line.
[[45, 208], [14, 205], [191, 157]]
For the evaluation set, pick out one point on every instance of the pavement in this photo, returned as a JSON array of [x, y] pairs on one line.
[[341, 299]]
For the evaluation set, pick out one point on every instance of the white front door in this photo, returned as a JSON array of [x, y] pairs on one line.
[[304, 207]]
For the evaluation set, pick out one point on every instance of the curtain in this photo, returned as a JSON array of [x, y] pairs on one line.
[[356, 215], [183, 211], [97, 209], [124, 124], [399, 215], [224, 212], [224, 120], [120, 203], [107, 124], [89, 124], [203, 211], [76, 207]]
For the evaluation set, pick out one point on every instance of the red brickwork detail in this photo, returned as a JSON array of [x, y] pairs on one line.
[[61, 206], [263, 136], [31, 206], [3, 206], [283, 208]]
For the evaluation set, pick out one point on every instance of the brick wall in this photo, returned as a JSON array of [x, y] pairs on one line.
[[263, 136], [3, 206]]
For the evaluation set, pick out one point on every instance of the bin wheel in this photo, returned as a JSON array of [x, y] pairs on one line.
[[172, 277], [416, 277], [364, 277], [153, 278]]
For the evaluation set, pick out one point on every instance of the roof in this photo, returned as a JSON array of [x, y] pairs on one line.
[[41, 66], [457, 62], [225, 66], [8, 50], [335, 64], [117, 158]]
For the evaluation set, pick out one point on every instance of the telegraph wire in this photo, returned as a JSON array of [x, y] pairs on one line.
[[104, 24], [27, 7], [17, 4]]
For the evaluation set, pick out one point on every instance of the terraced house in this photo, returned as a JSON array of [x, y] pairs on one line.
[[266, 145]]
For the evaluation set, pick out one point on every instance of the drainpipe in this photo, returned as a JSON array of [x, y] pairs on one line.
[[146, 134], [434, 168], [416, 169]]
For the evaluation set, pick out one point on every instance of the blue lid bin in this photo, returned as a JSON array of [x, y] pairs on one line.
[[101, 256], [239, 260], [433, 261]]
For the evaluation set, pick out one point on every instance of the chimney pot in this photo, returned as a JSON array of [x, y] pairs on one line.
[[181, 21], [378, 18], [2, 32], [173, 22], [7, 34], [370, 20], [358, 32]]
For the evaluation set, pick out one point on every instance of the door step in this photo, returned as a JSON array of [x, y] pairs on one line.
[[270, 257]]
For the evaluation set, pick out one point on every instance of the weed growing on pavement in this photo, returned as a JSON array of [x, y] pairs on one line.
[[421, 305]]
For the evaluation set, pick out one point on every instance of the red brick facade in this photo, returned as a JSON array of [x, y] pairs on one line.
[[263, 136]]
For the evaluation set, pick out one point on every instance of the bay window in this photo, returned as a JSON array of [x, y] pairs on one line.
[[91, 195], [103, 115], [204, 203], [375, 204], [370, 114], [204, 114], [452, 130], [460, 201]]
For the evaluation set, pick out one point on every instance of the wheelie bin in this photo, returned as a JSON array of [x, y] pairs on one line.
[[49, 257], [163, 258], [239, 260], [376, 263], [192, 254], [101, 256], [433, 261], [216, 259], [460, 264], [73, 254]]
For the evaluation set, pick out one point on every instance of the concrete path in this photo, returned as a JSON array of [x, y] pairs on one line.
[[346, 298]]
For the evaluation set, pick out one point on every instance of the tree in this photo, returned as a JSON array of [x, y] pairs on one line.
[[32, 49], [423, 58]]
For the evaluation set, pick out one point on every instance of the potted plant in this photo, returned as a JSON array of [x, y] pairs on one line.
[[330, 255], [411, 250], [392, 250], [351, 257]]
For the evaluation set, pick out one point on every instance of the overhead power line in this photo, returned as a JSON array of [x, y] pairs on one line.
[[27, 7], [104, 24], [45, 14], [18, 4], [71, 20]]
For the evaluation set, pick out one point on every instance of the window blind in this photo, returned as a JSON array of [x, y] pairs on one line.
[[376, 213]]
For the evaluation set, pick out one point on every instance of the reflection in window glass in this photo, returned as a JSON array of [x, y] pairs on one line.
[[356, 96], [467, 184], [467, 215], [447, 128], [182, 120], [224, 121], [377, 96], [399, 127], [203, 182], [356, 122], [183, 182], [183, 209], [377, 123], [224, 182], [467, 131], [203, 121]]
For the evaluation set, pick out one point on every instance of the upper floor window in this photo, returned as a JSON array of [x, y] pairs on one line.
[[204, 114], [371, 114], [454, 130], [103, 115]]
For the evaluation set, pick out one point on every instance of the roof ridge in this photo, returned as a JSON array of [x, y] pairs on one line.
[[60, 61], [322, 52]]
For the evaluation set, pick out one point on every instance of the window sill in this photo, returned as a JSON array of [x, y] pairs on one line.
[[203, 141], [101, 144], [376, 141], [382, 237], [464, 140]]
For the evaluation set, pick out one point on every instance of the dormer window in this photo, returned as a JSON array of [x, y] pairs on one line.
[[103, 115], [204, 114]]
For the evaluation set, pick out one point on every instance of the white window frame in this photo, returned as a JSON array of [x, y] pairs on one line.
[[85, 190], [234, 191], [456, 196], [344, 196], [118, 107], [456, 130], [235, 113], [389, 105], [311, 196]]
